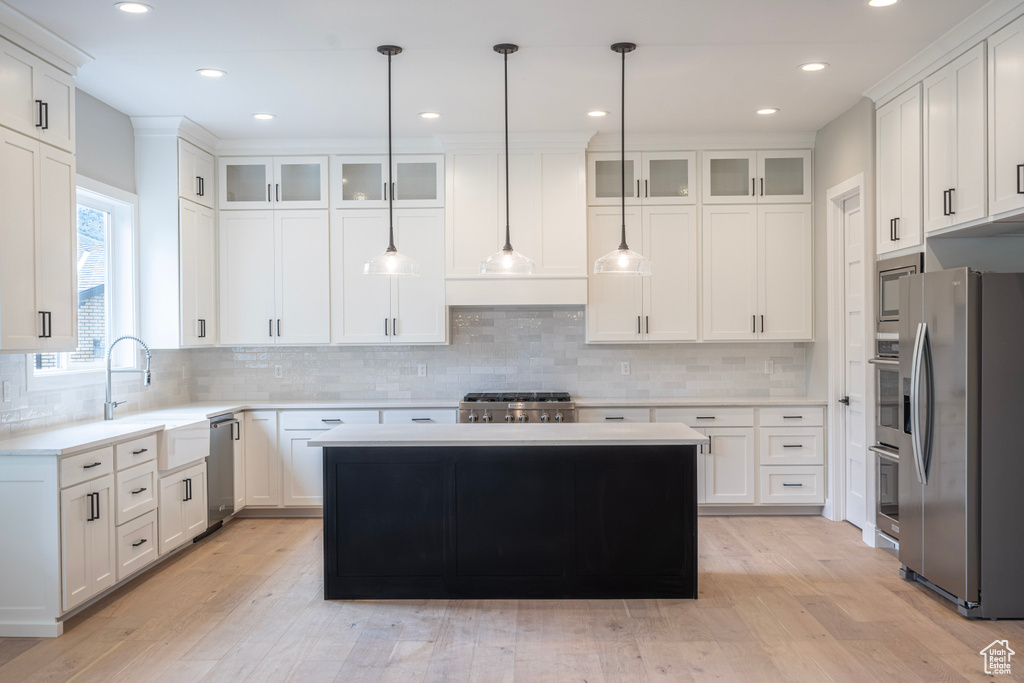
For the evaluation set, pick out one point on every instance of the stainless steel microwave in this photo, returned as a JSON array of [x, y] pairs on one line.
[[889, 272]]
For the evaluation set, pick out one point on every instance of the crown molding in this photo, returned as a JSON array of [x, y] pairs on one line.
[[605, 142], [181, 126], [958, 40], [575, 141], [40, 41], [320, 146]]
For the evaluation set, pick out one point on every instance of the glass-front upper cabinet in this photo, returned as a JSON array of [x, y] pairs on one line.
[[669, 178], [604, 178], [763, 177], [273, 182], [361, 182]]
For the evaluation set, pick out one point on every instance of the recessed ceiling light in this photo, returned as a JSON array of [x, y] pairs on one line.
[[429, 115], [211, 73], [263, 116], [133, 7], [814, 66], [882, 3], [767, 110], [597, 113]]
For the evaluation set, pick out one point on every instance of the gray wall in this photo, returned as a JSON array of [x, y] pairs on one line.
[[105, 143], [844, 148]]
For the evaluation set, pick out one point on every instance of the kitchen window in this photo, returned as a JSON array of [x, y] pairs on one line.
[[105, 263]]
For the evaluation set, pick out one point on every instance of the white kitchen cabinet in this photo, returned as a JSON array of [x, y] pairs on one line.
[[36, 99], [662, 307], [613, 415], [424, 416], [238, 455], [273, 182], [757, 177], [652, 178], [758, 272], [136, 544], [198, 258], [38, 297], [136, 492], [730, 466], [88, 544], [182, 512], [954, 142], [275, 277], [195, 174], [262, 464], [1005, 113], [547, 218], [793, 485], [376, 309], [898, 153], [361, 182]]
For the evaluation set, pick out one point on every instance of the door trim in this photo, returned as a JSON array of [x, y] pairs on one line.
[[835, 501]]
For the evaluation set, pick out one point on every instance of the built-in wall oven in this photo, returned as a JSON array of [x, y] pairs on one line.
[[888, 396]]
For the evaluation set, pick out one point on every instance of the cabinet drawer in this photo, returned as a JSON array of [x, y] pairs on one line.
[[793, 485], [86, 466], [707, 417], [613, 414], [136, 544], [808, 416], [132, 453], [325, 419], [136, 491], [426, 416], [793, 446]]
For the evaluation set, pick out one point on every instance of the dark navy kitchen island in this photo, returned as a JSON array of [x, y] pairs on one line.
[[525, 511]]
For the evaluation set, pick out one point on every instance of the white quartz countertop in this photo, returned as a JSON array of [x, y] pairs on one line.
[[630, 434], [84, 436]]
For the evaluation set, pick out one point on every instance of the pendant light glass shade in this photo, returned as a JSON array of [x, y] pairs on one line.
[[623, 261], [391, 262], [508, 261]]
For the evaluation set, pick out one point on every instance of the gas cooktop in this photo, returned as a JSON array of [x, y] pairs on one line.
[[519, 397]]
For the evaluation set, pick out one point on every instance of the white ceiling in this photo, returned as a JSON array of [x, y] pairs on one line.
[[702, 66]]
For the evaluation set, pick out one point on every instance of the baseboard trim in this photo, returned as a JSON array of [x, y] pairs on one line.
[[758, 510], [257, 513]]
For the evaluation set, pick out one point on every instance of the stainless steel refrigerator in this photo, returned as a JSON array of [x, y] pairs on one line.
[[961, 488]]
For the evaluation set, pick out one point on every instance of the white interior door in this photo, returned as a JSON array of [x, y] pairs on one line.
[[854, 364]]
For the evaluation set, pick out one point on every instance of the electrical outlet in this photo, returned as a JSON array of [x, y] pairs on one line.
[[7, 391], [421, 370], [769, 367], [624, 366], [278, 372], [184, 373]]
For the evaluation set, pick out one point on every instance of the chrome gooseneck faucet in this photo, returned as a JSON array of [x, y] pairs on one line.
[[108, 407]]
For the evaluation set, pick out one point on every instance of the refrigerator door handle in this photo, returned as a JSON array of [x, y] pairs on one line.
[[915, 401], [928, 367]]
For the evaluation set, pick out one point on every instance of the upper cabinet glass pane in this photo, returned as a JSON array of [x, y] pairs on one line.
[[362, 182], [669, 178], [415, 180], [247, 182], [300, 182], [783, 176], [730, 177], [608, 178]]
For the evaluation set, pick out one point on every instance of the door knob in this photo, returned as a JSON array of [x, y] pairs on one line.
[[845, 400]]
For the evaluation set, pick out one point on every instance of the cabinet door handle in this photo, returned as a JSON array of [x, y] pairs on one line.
[[39, 113], [136, 545], [278, 327], [646, 189], [49, 324], [96, 497], [796, 485], [89, 467], [618, 417], [138, 491], [792, 445], [638, 188], [140, 451], [892, 229], [762, 324], [385, 191], [951, 211], [753, 324], [268, 192], [753, 187], [188, 489], [638, 324], [393, 197], [1020, 179], [896, 229], [202, 186], [46, 118], [92, 514], [762, 187], [394, 325], [647, 324], [946, 209], [199, 186], [270, 327], [277, 192], [386, 327], [236, 434], [42, 325]]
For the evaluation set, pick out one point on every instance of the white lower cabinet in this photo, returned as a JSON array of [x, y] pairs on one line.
[[136, 491], [136, 544], [730, 465], [182, 508], [613, 415], [88, 564], [793, 485], [262, 466], [419, 416]]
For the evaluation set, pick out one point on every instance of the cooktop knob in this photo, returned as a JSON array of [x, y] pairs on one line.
[[508, 417], [487, 417], [524, 417], [544, 417], [472, 417], [559, 417]]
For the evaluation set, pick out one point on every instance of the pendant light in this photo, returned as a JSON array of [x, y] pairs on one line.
[[508, 261], [623, 260], [391, 262]]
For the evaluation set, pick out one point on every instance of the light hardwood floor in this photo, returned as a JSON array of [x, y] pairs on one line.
[[781, 599]]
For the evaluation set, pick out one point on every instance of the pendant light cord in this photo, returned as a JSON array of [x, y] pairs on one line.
[[508, 239], [391, 183], [622, 120]]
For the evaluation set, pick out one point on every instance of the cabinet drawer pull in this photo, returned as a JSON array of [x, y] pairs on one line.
[[140, 451], [614, 418], [792, 445], [421, 419], [136, 545], [89, 467], [138, 491], [793, 485], [792, 417], [705, 417], [331, 420]]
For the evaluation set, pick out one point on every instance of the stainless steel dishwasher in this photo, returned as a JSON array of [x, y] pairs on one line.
[[220, 470]]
